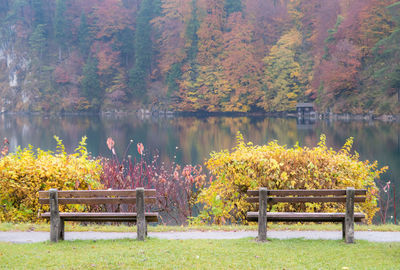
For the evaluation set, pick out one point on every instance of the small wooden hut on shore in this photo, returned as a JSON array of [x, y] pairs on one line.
[[305, 110]]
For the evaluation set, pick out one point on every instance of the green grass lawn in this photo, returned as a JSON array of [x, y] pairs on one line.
[[201, 254], [160, 228]]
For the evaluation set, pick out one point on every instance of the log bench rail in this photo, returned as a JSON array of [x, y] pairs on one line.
[[139, 196], [348, 196]]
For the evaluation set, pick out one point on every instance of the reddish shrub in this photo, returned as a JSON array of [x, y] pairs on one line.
[[177, 187]]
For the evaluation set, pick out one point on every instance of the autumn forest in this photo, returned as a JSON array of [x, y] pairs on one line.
[[200, 55]]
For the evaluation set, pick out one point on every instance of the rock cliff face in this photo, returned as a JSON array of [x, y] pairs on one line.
[[15, 91]]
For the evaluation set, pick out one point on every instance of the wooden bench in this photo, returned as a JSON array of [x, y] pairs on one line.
[[348, 196], [138, 196]]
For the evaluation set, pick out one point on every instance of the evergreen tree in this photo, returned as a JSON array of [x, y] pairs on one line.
[[395, 78], [37, 40], [38, 12], [191, 34], [90, 83], [124, 40], [4, 7], [60, 26], [11, 12], [137, 82], [232, 6], [143, 45], [83, 35], [395, 81], [173, 75]]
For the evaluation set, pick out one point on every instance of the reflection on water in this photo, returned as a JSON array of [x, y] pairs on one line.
[[197, 137]]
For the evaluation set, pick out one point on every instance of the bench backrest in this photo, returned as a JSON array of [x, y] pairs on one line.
[[125, 196], [299, 195]]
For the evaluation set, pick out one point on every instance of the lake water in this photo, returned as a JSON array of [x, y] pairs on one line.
[[189, 140]]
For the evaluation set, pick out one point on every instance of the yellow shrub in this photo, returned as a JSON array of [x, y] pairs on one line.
[[24, 173], [249, 167]]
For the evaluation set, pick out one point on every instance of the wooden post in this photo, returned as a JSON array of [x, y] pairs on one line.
[[54, 216], [262, 215], [141, 219], [349, 218]]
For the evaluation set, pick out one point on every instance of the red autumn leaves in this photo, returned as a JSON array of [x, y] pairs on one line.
[[4, 149], [140, 148], [111, 144]]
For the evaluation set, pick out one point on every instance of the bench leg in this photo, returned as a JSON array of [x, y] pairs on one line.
[[54, 216], [349, 218], [61, 229], [141, 219], [262, 215], [343, 230]]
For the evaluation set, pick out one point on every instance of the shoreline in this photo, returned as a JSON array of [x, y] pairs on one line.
[[147, 114]]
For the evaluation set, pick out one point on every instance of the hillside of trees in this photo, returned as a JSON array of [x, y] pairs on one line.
[[199, 55]]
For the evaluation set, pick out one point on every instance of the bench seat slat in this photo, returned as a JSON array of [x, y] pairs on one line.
[[98, 200], [98, 193], [305, 199], [296, 216], [119, 216]]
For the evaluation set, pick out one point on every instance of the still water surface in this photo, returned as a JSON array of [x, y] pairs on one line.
[[189, 140]]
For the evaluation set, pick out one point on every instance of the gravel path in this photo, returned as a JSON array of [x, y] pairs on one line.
[[31, 237]]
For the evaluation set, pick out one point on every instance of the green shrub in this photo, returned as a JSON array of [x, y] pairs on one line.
[[248, 167], [24, 173]]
